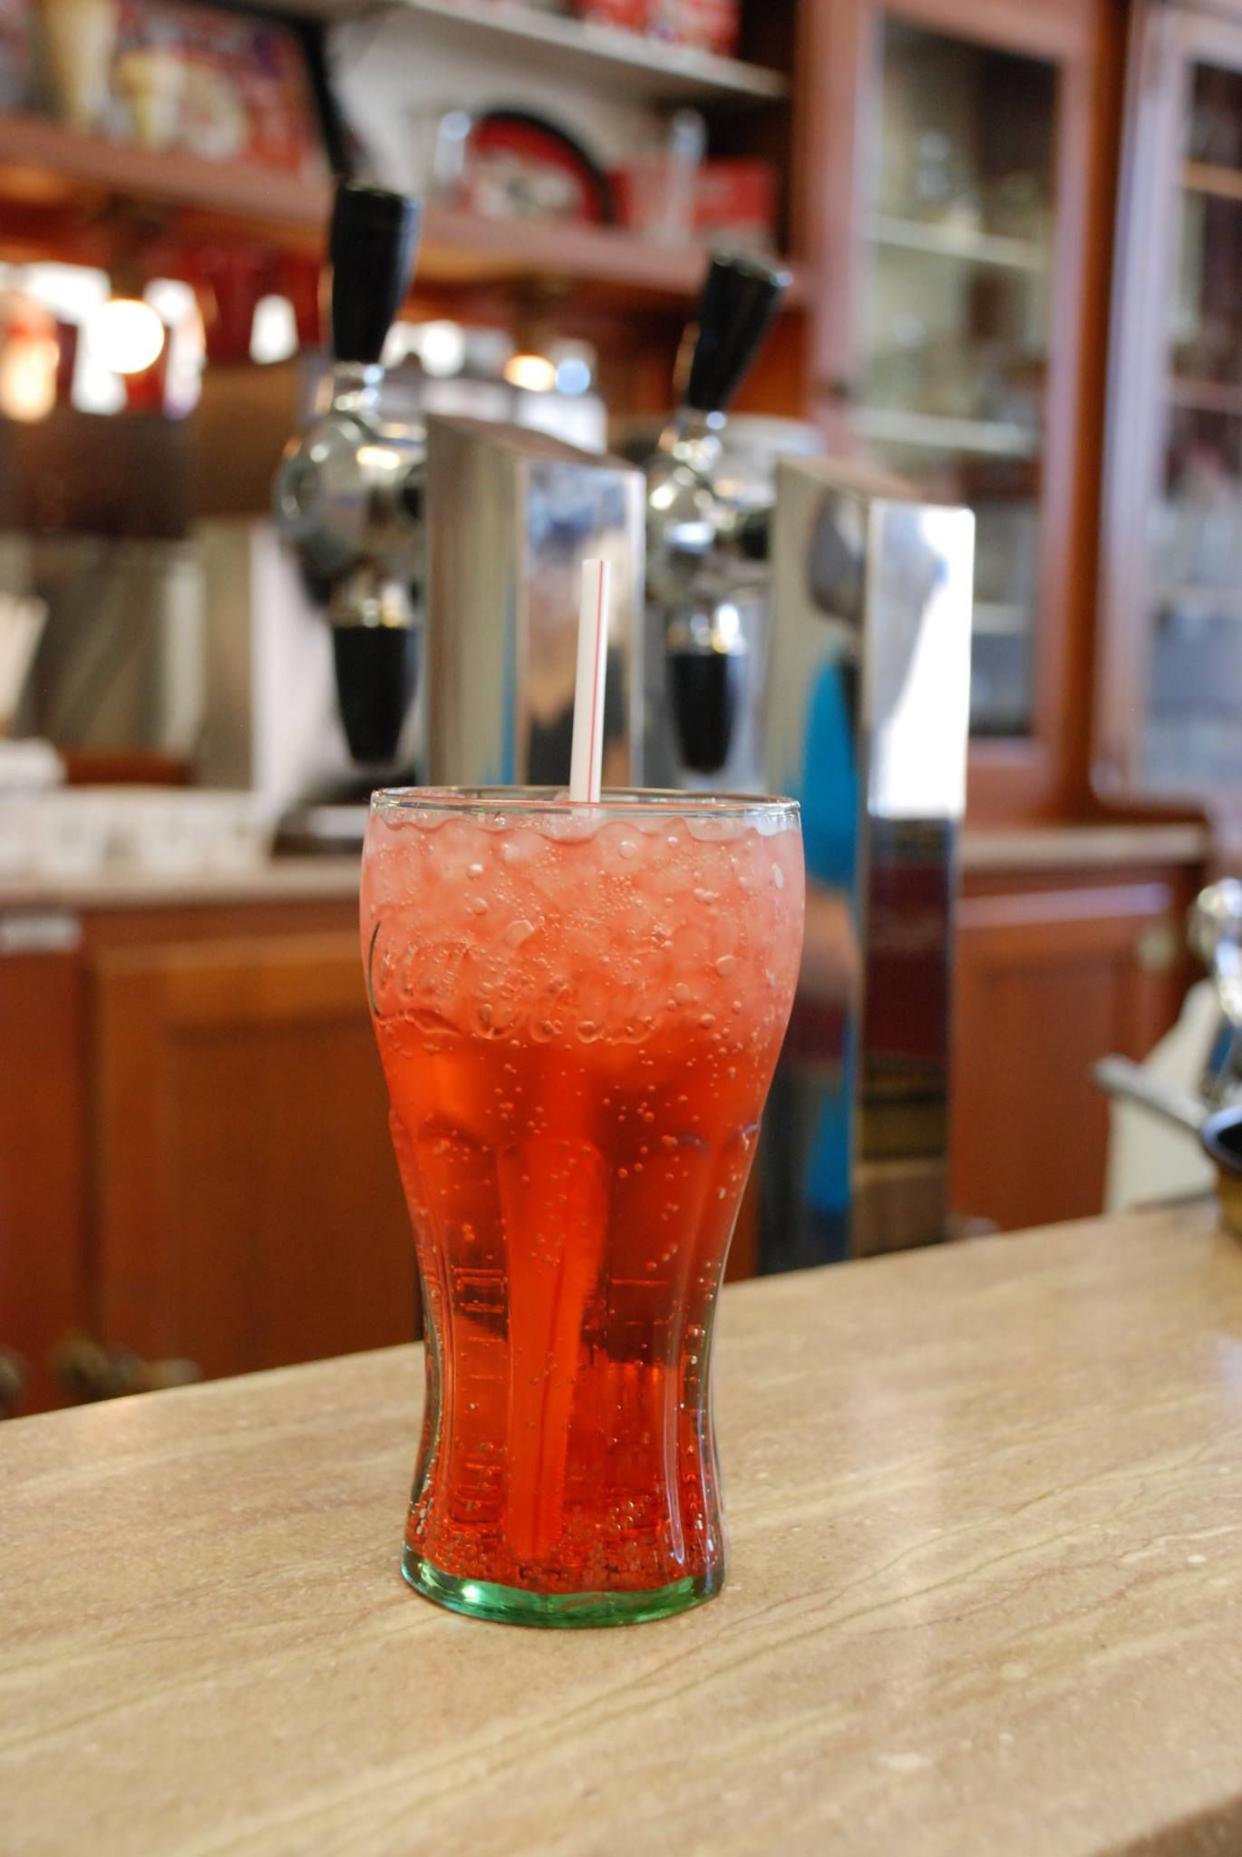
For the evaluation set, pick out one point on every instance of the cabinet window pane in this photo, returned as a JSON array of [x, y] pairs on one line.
[[955, 318]]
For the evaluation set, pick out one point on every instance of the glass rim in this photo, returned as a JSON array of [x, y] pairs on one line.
[[554, 802]]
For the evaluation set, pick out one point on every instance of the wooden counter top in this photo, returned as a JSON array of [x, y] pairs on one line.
[[985, 1596]]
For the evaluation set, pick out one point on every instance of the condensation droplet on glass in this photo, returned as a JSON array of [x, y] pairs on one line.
[[477, 905], [778, 877], [726, 965]]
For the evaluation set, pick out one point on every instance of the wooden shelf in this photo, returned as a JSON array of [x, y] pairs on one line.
[[1205, 177], [993, 438], [957, 242], [40, 160], [1206, 396], [1001, 618], [1193, 601], [592, 55], [463, 248], [62, 177]]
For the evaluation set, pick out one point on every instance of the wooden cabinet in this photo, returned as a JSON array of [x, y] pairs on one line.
[[1169, 687], [1054, 969], [43, 1136], [248, 1209], [196, 1164], [959, 165]]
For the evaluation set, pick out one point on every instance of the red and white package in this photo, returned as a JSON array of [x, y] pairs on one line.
[[708, 25], [737, 197], [727, 199], [632, 14]]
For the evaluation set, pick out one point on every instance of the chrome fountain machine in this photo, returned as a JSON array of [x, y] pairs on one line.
[[812, 640], [865, 708], [446, 555], [811, 636], [707, 538]]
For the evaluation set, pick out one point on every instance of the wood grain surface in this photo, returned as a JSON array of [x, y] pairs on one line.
[[986, 1509]]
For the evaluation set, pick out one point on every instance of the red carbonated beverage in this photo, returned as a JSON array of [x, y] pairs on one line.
[[578, 1009]]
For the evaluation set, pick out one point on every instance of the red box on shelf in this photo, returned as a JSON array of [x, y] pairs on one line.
[[734, 199], [738, 197], [632, 14], [707, 25]]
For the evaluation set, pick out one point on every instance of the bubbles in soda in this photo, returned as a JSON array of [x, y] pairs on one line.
[[578, 1029]]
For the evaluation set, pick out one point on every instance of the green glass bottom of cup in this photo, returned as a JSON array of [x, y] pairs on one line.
[[514, 1605]]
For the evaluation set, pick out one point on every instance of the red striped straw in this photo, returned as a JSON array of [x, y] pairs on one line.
[[586, 766]]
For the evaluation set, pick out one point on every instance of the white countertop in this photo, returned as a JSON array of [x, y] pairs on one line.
[[315, 879], [275, 880]]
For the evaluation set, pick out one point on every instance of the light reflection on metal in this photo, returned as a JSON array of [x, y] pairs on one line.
[[512, 513], [865, 712]]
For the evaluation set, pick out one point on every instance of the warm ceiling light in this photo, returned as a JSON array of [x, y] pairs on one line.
[[126, 335], [534, 372], [28, 366], [274, 331], [442, 348]]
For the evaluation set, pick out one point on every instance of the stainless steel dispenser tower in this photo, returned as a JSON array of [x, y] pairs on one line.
[[706, 547], [865, 714], [511, 516], [469, 533], [348, 494]]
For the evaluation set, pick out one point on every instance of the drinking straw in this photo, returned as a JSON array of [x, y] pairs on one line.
[[554, 1190], [586, 764]]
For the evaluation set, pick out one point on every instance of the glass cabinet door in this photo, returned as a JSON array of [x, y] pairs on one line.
[[1169, 668], [954, 334], [1192, 727]]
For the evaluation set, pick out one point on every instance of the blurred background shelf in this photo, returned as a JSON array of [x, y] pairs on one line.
[[1001, 618], [462, 247], [595, 55], [1206, 396], [1192, 601], [958, 242], [59, 184], [43, 165], [1207, 177], [996, 438]]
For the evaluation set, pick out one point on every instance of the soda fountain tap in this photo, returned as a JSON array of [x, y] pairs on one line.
[[705, 546], [349, 491]]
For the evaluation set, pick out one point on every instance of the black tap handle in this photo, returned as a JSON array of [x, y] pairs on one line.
[[741, 295], [371, 247]]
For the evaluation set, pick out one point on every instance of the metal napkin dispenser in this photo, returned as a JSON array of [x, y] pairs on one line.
[[511, 516], [866, 708]]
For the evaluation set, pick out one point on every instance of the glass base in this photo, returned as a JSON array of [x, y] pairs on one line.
[[514, 1605]]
